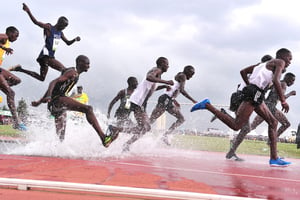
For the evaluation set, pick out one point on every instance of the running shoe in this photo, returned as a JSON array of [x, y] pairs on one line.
[[279, 163], [20, 127], [200, 105], [111, 135], [215, 117], [233, 157], [15, 68]]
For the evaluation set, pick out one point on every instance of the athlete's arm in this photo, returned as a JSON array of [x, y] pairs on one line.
[[246, 71], [33, 19], [182, 79], [154, 76], [278, 68], [120, 94], [69, 42]]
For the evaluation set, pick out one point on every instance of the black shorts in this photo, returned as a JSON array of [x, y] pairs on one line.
[[166, 102], [253, 94], [235, 100], [55, 108]]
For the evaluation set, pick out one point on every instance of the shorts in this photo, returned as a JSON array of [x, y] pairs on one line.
[[235, 100], [56, 109], [166, 102], [253, 94]]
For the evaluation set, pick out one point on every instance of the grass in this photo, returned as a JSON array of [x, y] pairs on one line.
[[7, 130], [219, 144]]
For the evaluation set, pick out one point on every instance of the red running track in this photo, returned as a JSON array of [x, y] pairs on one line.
[[196, 171]]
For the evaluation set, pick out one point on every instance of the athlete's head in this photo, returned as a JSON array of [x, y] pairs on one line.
[[79, 89], [289, 78], [162, 63], [62, 23], [284, 54], [266, 58], [12, 33], [189, 71], [132, 82], [82, 63]]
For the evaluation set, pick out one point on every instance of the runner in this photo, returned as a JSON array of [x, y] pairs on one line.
[[8, 79], [271, 101], [59, 103], [253, 95], [52, 34], [123, 111], [139, 100], [167, 101]]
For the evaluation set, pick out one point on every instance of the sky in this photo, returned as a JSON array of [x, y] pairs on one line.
[[124, 38]]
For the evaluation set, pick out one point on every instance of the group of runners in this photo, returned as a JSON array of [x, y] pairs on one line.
[[249, 97]]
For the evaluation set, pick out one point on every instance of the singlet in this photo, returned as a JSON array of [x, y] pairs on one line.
[[261, 76], [63, 88], [82, 98], [173, 92], [124, 99], [143, 90], [51, 42], [2, 52]]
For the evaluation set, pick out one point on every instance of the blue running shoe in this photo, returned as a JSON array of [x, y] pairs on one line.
[[200, 105], [20, 127], [279, 163]]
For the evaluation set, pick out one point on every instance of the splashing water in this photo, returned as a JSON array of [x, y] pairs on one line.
[[81, 140]]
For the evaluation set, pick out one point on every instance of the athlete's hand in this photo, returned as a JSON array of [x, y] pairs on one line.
[[171, 82], [77, 39], [285, 107], [25, 8]]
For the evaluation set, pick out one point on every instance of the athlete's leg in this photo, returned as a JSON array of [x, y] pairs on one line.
[[10, 77], [242, 115], [74, 105], [180, 119], [256, 121], [263, 111], [143, 125], [285, 124], [156, 113], [60, 125], [43, 62], [10, 98], [238, 139]]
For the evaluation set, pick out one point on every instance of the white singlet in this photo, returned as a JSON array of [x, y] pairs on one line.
[[144, 89], [261, 76]]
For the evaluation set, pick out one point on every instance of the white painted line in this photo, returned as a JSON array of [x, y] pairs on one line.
[[25, 184]]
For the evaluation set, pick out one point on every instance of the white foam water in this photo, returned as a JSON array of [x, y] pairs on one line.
[[81, 140]]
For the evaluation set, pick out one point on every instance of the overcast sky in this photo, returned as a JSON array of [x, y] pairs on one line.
[[123, 38]]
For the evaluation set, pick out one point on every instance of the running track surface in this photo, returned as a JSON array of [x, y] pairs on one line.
[[203, 172]]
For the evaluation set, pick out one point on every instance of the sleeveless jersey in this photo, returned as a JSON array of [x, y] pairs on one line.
[[51, 42], [63, 88], [2, 52], [261, 76], [143, 90], [173, 92]]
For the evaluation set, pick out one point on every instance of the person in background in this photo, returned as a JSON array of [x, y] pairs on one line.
[[123, 111]]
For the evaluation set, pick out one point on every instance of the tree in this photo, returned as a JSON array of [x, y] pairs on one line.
[[22, 110]]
